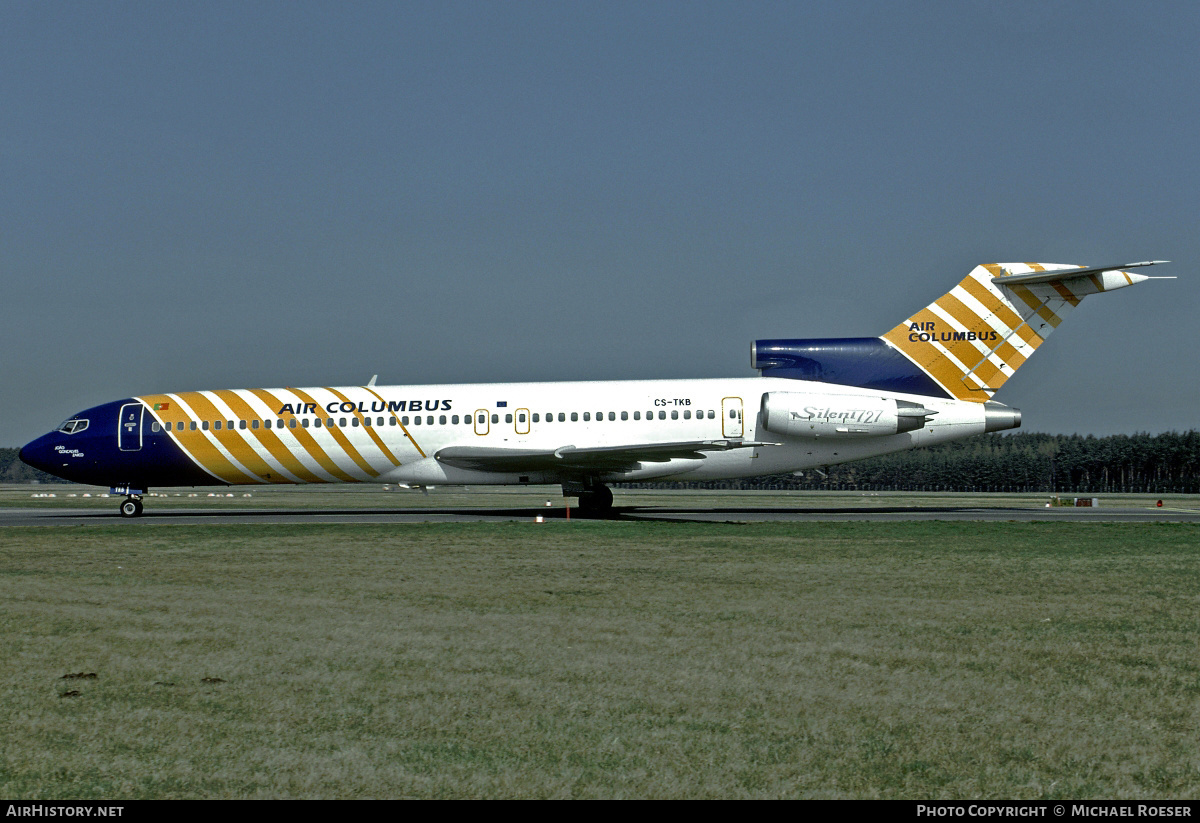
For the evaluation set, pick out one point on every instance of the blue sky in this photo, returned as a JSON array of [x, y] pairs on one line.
[[207, 195]]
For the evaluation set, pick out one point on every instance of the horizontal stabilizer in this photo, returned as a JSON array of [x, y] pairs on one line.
[[1120, 277]]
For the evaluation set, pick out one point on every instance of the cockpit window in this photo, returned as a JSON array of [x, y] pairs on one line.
[[73, 426]]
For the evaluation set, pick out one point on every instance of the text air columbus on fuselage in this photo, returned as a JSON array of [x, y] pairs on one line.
[[375, 406]]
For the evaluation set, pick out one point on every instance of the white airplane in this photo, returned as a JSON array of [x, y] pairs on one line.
[[817, 402]]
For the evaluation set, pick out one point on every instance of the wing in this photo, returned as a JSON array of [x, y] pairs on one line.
[[595, 459]]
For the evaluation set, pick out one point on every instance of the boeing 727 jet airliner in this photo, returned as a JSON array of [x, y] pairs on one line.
[[815, 403]]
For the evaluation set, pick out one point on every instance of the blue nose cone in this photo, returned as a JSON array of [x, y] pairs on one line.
[[40, 453]]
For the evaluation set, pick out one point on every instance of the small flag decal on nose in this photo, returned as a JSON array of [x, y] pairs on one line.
[[162, 406]]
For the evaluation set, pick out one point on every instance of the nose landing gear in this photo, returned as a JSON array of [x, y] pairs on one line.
[[131, 506]]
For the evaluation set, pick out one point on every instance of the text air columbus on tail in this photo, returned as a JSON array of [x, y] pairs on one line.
[[816, 402]]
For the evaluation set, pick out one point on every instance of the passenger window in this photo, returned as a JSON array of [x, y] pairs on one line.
[[154, 427], [379, 421], [254, 424], [241, 424], [587, 417], [508, 418], [292, 423], [637, 415], [192, 425], [342, 422], [662, 415], [674, 414], [304, 422], [732, 414], [687, 414], [417, 421], [354, 422], [392, 421], [562, 417], [535, 418], [329, 422], [404, 419], [495, 418], [204, 425], [316, 422], [624, 415], [429, 420], [217, 426], [711, 415], [612, 415], [574, 416], [279, 424], [442, 420]]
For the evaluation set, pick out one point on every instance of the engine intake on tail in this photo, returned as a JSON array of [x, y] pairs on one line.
[[814, 415]]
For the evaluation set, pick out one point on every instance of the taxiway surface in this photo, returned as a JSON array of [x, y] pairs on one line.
[[725, 514]]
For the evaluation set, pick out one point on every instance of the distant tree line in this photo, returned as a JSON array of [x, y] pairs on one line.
[[1167, 462], [13, 470], [1158, 463]]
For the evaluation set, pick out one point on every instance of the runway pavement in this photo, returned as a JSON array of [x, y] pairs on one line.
[[730, 514]]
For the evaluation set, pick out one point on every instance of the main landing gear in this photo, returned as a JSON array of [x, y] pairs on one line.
[[131, 506], [594, 501]]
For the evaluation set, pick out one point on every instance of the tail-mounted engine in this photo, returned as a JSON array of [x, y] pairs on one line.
[[815, 415]]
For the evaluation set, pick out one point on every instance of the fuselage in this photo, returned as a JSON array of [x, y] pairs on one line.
[[383, 434]]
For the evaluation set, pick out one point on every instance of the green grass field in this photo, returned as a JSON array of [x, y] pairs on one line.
[[911, 660]]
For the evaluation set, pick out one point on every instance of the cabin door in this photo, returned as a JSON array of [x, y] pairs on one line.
[[731, 416], [129, 427]]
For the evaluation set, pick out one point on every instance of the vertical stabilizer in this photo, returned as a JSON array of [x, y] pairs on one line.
[[972, 339]]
